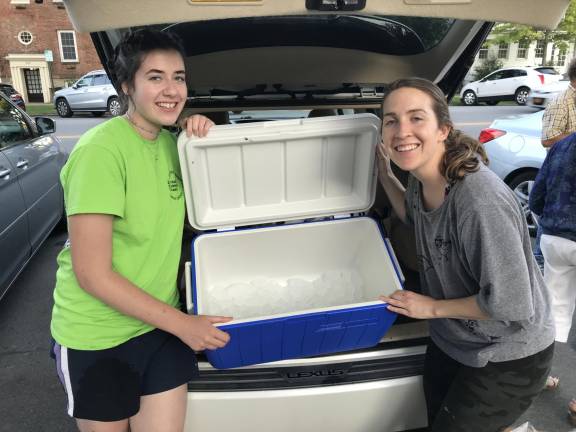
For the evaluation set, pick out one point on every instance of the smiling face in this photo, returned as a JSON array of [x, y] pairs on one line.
[[159, 91], [411, 133]]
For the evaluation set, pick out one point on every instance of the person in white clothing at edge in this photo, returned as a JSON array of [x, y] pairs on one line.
[[124, 350], [553, 198]]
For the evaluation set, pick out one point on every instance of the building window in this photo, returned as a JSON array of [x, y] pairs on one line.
[[561, 57], [25, 37], [522, 49], [502, 50], [483, 52], [67, 42], [539, 48], [19, 2]]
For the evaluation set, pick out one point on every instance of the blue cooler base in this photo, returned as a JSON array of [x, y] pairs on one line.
[[302, 335]]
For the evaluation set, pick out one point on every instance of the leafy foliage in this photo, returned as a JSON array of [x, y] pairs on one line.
[[486, 66], [560, 37]]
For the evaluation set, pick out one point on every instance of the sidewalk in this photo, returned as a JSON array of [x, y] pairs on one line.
[[549, 413]]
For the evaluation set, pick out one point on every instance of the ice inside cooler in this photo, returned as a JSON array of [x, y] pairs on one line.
[[303, 279], [278, 270]]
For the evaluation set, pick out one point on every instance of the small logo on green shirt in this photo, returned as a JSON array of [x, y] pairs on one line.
[[175, 186]]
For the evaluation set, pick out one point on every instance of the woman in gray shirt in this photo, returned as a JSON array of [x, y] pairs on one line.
[[491, 329]]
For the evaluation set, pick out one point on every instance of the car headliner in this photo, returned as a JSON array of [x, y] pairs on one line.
[[97, 15]]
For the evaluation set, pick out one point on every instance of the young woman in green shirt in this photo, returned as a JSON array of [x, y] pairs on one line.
[[124, 349]]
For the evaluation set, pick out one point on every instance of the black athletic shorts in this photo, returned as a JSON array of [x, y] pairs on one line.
[[106, 385]]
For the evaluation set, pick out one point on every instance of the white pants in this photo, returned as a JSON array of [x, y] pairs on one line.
[[560, 277]]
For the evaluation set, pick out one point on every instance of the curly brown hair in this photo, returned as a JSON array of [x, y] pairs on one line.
[[463, 153]]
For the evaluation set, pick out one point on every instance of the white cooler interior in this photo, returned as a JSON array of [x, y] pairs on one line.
[[317, 253]]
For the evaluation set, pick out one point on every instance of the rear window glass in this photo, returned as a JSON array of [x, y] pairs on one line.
[[395, 35], [7, 90], [547, 70], [100, 80]]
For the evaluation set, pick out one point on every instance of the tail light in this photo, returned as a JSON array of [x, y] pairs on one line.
[[16, 96], [541, 76], [490, 134]]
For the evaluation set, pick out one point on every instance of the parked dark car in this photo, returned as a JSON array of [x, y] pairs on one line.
[[31, 198], [14, 96]]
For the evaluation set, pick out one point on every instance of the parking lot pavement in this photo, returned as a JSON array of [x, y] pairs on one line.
[[549, 411]]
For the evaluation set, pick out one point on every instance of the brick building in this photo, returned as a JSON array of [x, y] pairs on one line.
[[31, 30]]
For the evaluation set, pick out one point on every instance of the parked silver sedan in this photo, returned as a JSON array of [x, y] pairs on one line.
[[31, 198], [544, 95], [516, 154]]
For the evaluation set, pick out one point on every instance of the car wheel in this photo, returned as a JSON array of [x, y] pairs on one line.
[[521, 95], [469, 98], [97, 113], [114, 106], [63, 108], [492, 103], [521, 184]]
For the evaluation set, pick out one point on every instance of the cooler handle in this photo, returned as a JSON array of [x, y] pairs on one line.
[[189, 304], [395, 260]]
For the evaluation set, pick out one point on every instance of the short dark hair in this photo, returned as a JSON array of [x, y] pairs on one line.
[[131, 50], [572, 70]]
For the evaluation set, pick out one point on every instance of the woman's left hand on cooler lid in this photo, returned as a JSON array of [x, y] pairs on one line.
[[410, 304], [196, 125]]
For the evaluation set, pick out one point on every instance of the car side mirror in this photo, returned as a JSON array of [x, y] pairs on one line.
[[45, 125]]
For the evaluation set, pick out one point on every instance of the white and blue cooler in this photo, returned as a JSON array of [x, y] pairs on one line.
[[285, 248]]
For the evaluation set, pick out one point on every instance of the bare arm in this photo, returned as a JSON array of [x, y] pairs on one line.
[[392, 186], [550, 142], [416, 305], [91, 249]]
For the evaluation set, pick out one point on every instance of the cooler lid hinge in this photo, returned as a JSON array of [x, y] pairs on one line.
[[224, 229]]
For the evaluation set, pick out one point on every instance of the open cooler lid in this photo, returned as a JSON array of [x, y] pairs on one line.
[[283, 170]]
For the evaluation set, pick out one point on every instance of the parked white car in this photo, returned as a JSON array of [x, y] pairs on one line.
[[516, 154], [543, 96], [300, 55], [92, 93], [508, 84]]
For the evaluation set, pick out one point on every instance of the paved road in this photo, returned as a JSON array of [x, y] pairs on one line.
[[470, 119], [32, 400]]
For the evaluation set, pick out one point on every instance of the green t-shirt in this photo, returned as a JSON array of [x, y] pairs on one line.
[[112, 170]]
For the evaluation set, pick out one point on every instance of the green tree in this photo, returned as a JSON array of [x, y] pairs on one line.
[[486, 66], [560, 37]]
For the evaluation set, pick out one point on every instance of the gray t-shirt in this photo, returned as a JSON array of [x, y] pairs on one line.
[[477, 244]]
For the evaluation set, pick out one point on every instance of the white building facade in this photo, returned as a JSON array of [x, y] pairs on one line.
[[523, 54]]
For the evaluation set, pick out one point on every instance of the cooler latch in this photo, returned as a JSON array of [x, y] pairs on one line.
[[342, 216]]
